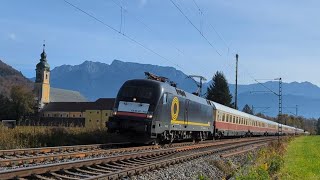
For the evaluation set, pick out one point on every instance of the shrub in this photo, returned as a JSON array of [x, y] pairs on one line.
[[41, 136]]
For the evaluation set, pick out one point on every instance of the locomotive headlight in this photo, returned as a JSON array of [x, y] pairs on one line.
[[114, 111], [150, 115]]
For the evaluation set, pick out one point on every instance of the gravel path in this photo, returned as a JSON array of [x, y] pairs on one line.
[[208, 167]]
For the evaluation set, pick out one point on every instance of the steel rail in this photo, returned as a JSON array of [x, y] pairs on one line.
[[41, 169], [167, 162], [40, 155]]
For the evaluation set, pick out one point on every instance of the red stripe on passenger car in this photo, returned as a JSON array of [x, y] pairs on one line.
[[131, 114], [239, 127]]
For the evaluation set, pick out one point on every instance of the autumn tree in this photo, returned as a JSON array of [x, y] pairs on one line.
[[5, 111], [22, 101], [318, 126], [219, 91]]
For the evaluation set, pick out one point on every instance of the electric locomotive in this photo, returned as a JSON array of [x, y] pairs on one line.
[[149, 111]]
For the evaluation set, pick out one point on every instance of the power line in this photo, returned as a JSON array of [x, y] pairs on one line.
[[119, 32], [157, 33], [144, 24], [195, 27], [195, 3]]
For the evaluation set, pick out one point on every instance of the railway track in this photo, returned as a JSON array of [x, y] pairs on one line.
[[131, 162]]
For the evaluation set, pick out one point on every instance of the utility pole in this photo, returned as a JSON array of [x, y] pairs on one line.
[[280, 108], [236, 91], [199, 84], [279, 94]]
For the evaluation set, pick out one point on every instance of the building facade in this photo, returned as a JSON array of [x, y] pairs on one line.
[[60, 107]]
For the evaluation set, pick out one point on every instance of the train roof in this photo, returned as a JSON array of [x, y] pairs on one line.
[[240, 113]]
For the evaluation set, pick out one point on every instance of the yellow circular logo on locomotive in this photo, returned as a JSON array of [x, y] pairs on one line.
[[175, 109]]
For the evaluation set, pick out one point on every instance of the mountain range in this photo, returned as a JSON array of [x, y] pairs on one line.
[[96, 79]]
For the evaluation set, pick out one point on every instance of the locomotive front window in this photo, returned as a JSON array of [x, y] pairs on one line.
[[144, 92], [137, 92], [128, 91]]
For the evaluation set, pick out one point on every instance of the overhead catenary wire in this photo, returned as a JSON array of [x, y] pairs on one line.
[[176, 5], [122, 33], [144, 24], [155, 32], [228, 47]]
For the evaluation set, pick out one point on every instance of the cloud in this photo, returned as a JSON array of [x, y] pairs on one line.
[[142, 3], [12, 36]]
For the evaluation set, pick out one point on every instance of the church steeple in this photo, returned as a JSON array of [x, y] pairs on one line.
[[42, 83], [43, 54], [43, 64]]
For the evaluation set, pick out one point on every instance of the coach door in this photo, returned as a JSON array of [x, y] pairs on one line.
[[186, 112]]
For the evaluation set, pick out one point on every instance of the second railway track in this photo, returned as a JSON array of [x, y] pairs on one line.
[[129, 163]]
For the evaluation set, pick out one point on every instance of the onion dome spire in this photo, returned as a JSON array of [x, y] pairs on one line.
[[43, 64]]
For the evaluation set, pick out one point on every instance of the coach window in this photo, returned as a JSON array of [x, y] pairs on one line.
[[234, 119]]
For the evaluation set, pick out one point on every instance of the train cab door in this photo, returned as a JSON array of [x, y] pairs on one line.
[[186, 112]]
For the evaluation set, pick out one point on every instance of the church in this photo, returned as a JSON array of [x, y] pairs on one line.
[[61, 107]]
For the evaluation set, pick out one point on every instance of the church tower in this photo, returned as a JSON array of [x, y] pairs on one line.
[[42, 83]]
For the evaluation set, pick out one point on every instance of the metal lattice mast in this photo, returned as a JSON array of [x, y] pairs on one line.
[[280, 99], [236, 90], [280, 109]]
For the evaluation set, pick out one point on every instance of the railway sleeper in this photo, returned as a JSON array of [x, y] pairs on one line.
[[76, 174]]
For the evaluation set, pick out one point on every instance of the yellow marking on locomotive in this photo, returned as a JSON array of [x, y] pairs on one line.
[[175, 111], [189, 123], [175, 115]]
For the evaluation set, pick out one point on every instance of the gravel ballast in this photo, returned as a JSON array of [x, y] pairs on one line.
[[209, 167]]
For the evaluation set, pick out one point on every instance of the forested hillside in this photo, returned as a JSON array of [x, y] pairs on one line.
[[10, 77]]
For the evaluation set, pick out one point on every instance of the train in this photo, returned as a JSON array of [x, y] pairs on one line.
[[153, 111]]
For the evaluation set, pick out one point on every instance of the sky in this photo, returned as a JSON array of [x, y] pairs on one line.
[[273, 38]]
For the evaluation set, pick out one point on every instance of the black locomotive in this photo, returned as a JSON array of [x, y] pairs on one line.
[[148, 110]]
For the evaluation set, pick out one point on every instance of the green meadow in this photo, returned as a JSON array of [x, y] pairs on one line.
[[302, 159]]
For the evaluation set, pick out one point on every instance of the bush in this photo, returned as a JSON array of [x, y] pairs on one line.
[[257, 173], [276, 162], [40, 136]]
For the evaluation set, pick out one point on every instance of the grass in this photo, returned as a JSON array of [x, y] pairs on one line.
[[266, 164], [40, 136], [302, 160]]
